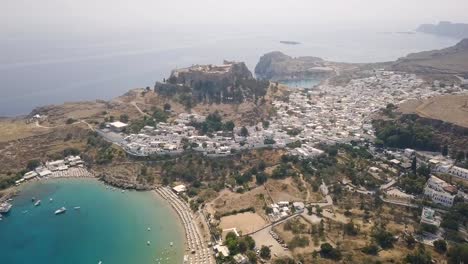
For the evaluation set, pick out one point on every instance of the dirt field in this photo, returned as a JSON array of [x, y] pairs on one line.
[[448, 108], [245, 222], [228, 201], [286, 190]]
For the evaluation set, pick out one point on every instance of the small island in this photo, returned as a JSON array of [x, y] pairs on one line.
[[287, 42]]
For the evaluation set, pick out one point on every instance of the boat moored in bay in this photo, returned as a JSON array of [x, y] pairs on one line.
[[61, 211]]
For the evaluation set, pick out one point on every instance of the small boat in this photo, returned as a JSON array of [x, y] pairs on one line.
[[172, 244], [149, 229], [100, 262], [33, 199], [37, 203], [148, 242], [77, 208], [61, 211], [50, 200]]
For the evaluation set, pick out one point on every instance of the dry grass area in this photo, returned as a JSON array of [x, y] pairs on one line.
[[287, 236], [228, 201], [286, 190], [244, 222], [16, 153], [448, 108], [15, 129]]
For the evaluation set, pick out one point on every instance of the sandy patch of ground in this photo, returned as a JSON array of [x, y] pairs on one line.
[[245, 222]]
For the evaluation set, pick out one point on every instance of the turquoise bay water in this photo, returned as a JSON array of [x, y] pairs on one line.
[[111, 226]]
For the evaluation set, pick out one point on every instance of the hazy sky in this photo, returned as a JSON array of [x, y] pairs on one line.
[[87, 14]]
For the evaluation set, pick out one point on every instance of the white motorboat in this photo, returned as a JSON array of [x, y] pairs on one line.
[[37, 203], [61, 211]]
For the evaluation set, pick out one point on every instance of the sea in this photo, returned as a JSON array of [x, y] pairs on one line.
[[110, 226], [47, 67]]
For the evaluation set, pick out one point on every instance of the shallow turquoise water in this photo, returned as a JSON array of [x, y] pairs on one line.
[[110, 226]]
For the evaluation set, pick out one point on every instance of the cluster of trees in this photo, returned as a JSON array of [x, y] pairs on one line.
[[213, 123], [414, 181], [456, 216], [295, 226], [328, 251], [105, 152], [243, 245], [399, 135], [382, 237], [419, 256], [298, 241], [7, 180], [350, 229], [282, 171]]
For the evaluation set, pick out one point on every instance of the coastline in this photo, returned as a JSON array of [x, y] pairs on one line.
[[195, 248], [158, 215]]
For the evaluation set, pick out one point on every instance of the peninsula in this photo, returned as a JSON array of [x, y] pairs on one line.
[[445, 28]]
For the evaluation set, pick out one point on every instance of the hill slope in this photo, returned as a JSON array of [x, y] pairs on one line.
[[448, 61]]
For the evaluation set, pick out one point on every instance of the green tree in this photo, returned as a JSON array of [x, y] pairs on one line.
[[424, 170], [458, 253], [371, 249], [384, 238], [413, 165], [32, 164], [70, 121], [440, 246], [244, 132], [124, 118], [327, 251], [420, 256], [229, 126], [251, 256], [250, 242], [265, 252], [261, 178], [445, 151]]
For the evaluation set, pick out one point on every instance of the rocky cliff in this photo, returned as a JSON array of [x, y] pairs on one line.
[[279, 66], [231, 82]]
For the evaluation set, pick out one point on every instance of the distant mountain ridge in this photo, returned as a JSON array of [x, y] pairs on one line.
[[445, 28]]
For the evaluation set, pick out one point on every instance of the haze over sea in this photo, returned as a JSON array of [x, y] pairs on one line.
[[50, 68], [110, 226]]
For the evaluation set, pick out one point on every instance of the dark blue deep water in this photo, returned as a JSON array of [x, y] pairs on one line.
[[50, 68]]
